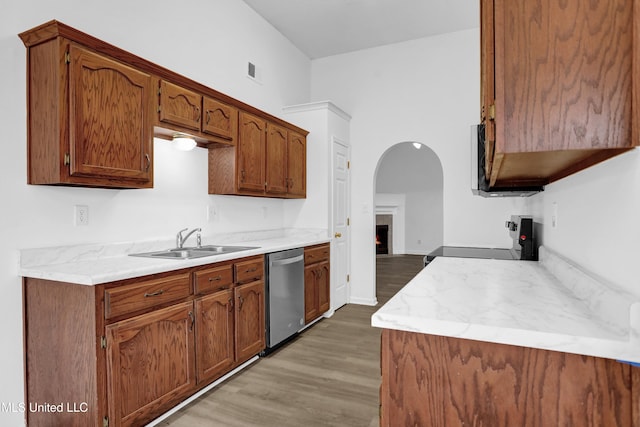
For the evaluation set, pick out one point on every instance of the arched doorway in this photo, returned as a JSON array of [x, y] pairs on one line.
[[408, 201]]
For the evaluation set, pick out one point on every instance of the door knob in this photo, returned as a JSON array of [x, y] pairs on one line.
[[337, 235]]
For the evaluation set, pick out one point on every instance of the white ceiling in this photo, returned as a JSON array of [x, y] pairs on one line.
[[322, 28]]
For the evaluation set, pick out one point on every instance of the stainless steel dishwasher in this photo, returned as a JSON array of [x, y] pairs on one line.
[[285, 295]]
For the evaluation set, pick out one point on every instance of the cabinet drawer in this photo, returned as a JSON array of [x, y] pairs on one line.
[[315, 254], [213, 279], [138, 296], [249, 270]]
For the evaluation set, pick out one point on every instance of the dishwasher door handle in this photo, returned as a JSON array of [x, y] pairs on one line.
[[286, 261]]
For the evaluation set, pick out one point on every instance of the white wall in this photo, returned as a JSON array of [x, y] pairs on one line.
[[598, 219], [425, 90], [324, 121], [209, 41]]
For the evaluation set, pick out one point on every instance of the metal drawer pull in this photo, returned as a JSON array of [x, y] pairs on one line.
[[251, 270], [193, 320], [154, 294], [211, 279]]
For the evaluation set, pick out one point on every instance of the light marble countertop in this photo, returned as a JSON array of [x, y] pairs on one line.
[[94, 264], [550, 305]]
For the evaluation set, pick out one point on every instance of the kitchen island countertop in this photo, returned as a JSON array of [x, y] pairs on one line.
[[550, 305], [94, 264]]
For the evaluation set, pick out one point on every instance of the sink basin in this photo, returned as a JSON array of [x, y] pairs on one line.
[[194, 252]]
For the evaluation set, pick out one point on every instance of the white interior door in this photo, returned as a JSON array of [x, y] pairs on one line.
[[340, 260]]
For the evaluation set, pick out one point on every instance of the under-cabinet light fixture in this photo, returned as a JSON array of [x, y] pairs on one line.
[[183, 142]]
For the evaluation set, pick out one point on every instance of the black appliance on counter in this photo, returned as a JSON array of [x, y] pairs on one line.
[[521, 230]]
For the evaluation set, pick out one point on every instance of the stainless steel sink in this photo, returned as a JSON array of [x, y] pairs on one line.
[[194, 252]]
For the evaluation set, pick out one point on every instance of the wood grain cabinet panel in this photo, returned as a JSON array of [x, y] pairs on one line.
[[276, 160], [215, 335], [89, 117], [250, 320], [558, 86], [108, 116], [179, 106], [150, 363], [213, 279], [430, 380], [249, 269], [251, 145], [296, 165], [317, 281], [134, 297], [219, 119]]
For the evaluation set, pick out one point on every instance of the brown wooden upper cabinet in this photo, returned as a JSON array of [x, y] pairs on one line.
[[179, 106], [558, 90], [89, 119], [269, 160], [94, 109], [208, 120], [276, 159], [296, 165], [219, 119]]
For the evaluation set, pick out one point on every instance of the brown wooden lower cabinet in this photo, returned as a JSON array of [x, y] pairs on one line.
[[150, 363], [112, 356], [430, 380], [214, 335], [250, 327], [317, 281]]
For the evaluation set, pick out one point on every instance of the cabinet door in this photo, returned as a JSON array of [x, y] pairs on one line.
[[180, 106], [324, 287], [150, 363], [276, 158], [250, 156], [310, 293], [297, 165], [214, 335], [219, 119], [110, 126], [250, 329], [487, 79], [563, 86]]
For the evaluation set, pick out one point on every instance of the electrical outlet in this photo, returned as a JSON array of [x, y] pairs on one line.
[[81, 215], [212, 213]]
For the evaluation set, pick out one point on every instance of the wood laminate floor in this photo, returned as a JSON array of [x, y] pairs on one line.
[[327, 376]]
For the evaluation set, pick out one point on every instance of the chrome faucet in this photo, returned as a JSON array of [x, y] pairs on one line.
[[180, 240]]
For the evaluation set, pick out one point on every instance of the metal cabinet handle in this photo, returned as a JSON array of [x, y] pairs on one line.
[[230, 304], [240, 301], [154, 294], [337, 235], [251, 270], [146, 156], [217, 278], [193, 320], [197, 114]]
